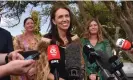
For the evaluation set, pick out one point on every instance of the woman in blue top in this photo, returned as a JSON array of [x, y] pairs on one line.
[[93, 36]]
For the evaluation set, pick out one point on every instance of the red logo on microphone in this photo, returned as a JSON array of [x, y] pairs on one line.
[[53, 52]]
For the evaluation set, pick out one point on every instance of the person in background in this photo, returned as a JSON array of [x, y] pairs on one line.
[[60, 33], [26, 42], [93, 36]]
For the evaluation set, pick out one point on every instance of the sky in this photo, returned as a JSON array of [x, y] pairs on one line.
[[19, 28]]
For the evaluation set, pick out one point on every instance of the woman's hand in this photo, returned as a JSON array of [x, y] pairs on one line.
[[19, 67], [15, 55], [93, 77], [31, 73], [131, 49], [51, 77]]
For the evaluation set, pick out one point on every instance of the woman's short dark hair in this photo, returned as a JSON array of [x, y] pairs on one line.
[[27, 19]]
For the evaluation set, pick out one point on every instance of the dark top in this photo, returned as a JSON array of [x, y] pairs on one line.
[[61, 67], [6, 45]]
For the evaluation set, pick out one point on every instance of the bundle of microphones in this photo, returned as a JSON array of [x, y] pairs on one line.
[[110, 66], [107, 65], [72, 60]]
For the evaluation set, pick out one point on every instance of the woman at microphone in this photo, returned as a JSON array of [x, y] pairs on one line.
[[93, 36], [59, 34]]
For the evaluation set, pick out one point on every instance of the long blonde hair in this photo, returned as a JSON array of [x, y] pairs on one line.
[[99, 34], [42, 65]]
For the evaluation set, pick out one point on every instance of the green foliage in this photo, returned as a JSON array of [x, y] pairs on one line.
[[46, 10], [36, 18], [125, 58], [105, 17]]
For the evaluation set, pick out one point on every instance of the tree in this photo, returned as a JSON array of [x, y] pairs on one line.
[[14, 9], [124, 17], [36, 18], [111, 27]]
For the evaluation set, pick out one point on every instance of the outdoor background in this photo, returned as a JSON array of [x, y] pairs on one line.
[[115, 16]]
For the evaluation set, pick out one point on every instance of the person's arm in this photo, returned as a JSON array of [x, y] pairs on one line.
[[131, 50], [2, 58], [14, 55], [16, 67], [3, 71]]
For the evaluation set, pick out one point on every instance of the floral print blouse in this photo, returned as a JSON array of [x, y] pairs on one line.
[[26, 44]]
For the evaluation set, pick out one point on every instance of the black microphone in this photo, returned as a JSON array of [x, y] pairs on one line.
[[103, 60], [116, 65], [104, 65], [100, 58], [112, 64], [90, 53], [73, 61]]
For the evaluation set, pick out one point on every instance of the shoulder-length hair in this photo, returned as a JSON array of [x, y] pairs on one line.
[[99, 34], [53, 28]]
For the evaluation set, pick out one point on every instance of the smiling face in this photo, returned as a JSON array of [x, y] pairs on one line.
[[93, 28], [29, 25], [62, 19]]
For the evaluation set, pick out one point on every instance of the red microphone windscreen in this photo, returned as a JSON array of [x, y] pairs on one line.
[[53, 52], [123, 44], [126, 45]]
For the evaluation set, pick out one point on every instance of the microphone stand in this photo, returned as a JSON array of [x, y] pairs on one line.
[[105, 72], [117, 76], [122, 75], [54, 65], [56, 75]]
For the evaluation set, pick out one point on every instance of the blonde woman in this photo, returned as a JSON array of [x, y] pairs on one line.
[[93, 36]]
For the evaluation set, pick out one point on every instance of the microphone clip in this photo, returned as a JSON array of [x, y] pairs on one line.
[[74, 73]]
